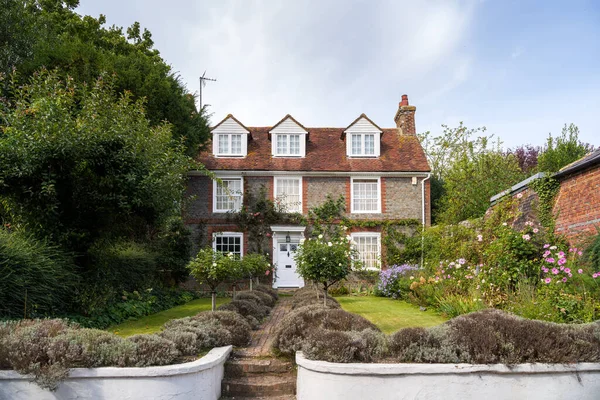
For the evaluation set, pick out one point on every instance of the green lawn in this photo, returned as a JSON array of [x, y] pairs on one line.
[[389, 315], [153, 323]]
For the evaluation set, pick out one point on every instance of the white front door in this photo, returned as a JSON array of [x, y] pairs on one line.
[[286, 266]]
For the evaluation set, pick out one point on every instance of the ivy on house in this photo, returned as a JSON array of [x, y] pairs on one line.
[[546, 188]]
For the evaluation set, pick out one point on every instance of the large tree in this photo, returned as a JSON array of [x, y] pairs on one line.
[[562, 150], [49, 33], [80, 163]]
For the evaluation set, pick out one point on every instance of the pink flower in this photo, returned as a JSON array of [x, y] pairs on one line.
[[546, 253], [579, 252], [594, 275], [548, 280], [546, 245], [561, 267], [567, 270], [526, 237], [449, 276], [570, 275], [561, 254], [535, 230], [479, 238], [580, 271], [519, 195], [554, 271], [268, 235], [562, 261], [545, 270], [550, 260], [267, 272], [462, 261], [564, 279]]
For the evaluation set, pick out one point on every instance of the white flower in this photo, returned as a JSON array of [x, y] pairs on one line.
[[214, 264], [504, 224], [412, 277], [320, 236], [329, 244]]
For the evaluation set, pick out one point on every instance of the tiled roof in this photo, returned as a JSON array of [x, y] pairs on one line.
[[325, 151]]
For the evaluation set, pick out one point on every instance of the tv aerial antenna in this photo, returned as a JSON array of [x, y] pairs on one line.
[[203, 80]]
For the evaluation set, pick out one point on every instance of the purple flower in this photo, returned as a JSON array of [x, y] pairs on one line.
[[548, 280], [567, 270], [462, 261], [564, 279], [562, 261], [554, 271], [550, 260]]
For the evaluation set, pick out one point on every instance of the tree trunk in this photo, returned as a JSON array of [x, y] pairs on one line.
[[233, 292], [325, 296], [250, 284], [214, 300]]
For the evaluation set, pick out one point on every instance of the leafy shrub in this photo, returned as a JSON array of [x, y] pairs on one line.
[[493, 336], [308, 296], [237, 326], [246, 307], [152, 350], [257, 298], [37, 278], [295, 327], [207, 334], [344, 346], [173, 249], [434, 345], [268, 290], [123, 265], [266, 299], [133, 305]]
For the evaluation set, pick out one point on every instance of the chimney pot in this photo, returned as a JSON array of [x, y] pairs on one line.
[[404, 101]]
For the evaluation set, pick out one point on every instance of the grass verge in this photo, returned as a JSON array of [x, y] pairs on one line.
[[389, 315], [153, 323]]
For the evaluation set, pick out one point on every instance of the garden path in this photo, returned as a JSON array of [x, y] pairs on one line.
[[262, 339], [254, 372]]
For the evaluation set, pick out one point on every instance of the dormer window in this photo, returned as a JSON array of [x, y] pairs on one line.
[[287, 145], [230, 138], [288, 138], [363, 138], [229, 145], [363, 144]]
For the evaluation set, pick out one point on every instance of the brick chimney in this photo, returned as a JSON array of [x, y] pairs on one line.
[[405, 117]]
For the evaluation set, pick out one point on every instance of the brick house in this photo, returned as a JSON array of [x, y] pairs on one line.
[[577, 204], [381, 172]]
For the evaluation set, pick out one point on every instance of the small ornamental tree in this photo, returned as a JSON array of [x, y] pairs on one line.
[[325, 262], [213, 268], [254, 266]]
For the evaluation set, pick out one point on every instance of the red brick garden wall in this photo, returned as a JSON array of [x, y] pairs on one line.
[[578, 204]]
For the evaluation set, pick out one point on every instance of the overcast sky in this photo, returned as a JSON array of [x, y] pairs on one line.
[[521, 68]]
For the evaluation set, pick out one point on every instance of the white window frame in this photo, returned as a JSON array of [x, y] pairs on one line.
[[243, 144], [376, 144], [378, 210], [229, 234], [241, 195], [301, 145], [356, 235], [276, 186]]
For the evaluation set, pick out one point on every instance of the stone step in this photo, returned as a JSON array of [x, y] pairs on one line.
[[243, 366], [259, 385]]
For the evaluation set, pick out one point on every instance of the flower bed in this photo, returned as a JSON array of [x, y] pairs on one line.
[[200, 379]]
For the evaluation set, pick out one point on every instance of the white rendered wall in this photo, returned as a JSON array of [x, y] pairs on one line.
[[200, 379], [323, 380]]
